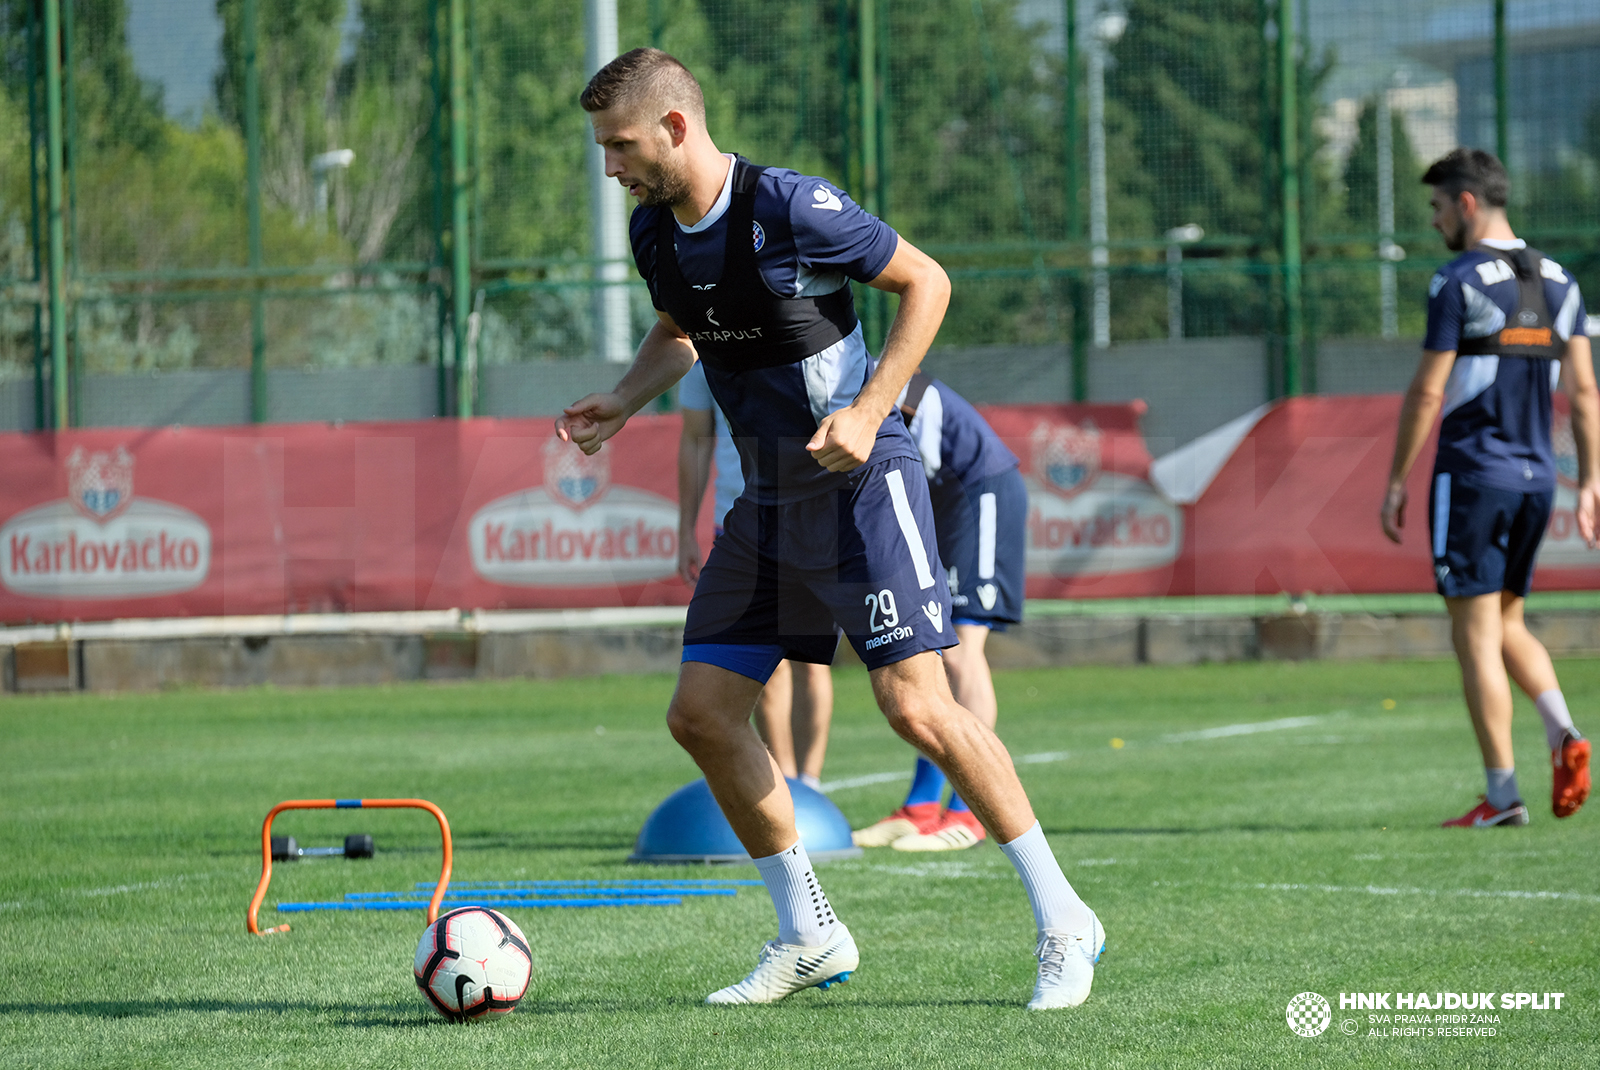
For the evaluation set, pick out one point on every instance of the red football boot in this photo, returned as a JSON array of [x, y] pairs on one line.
[[1484, 816], [1569, 786]]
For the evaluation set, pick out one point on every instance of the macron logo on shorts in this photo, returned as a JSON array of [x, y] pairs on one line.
[[935, 614]]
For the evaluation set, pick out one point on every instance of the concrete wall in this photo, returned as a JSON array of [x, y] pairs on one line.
[[353, 660], [1190, 386]]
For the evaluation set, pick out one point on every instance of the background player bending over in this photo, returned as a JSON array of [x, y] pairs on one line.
[[980, 512], [749, 271], [1504, 324], [796, 707]]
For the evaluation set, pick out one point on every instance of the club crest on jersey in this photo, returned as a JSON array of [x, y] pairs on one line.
[[571, 477], [100, 484], [1066, 456], [758, 236]]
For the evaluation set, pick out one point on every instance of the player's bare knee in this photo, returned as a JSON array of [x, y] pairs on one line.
[[915, 719], [693, 723]]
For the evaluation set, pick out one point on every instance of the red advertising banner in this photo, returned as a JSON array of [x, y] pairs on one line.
[[1292, 499], [1097, 528], [488, 514], [310, 518]]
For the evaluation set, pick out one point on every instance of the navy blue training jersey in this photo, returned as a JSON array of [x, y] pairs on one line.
[[1496, 429], [954, 440], [810, 239]]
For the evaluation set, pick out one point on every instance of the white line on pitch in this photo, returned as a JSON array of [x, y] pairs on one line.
[[1375, 889], [887, 778], [1470, 893], [863, 781], [1247, 729], [1046, 757]]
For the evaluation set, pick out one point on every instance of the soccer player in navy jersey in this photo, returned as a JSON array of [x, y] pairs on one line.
[[1505, 326], [795, 710], [749, 270], [980, 513]]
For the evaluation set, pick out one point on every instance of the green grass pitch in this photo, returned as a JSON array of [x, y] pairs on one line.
[[1232, 871]]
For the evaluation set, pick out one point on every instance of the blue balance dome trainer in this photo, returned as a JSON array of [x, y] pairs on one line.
[[689, 827]]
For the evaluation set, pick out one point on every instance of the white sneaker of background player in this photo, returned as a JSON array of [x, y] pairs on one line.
[[787, 968], [1066, 965]]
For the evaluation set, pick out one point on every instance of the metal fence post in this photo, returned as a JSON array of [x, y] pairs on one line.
[[1074, 211], [70, 155], [871, 193], [436, 154], [1502, 137], [252, 195], [41, 410], [1289, 117], [460, 241], [58, 320]]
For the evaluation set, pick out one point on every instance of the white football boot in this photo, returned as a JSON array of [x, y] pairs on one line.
[[1066, 965], [787, 968]]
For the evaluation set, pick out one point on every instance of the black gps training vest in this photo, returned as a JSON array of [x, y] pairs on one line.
[[740, 324], [1530, 331]]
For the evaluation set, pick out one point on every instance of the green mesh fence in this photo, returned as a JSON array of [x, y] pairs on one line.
[[360, 209]]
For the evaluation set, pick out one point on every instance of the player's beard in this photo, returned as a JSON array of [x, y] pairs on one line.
[[1455, 239], [665, 186]]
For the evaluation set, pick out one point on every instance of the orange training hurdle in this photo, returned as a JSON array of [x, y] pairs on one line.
[[344, 804]]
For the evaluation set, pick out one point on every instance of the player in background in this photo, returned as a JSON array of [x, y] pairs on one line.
[[980, 513], [749, 270], [796, 706], [1505, 325]]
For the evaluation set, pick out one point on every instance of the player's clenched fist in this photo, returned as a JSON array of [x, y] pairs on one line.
[[844, 439], [589, 421]]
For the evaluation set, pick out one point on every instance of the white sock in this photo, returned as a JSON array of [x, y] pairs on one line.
[[1557, 720], [812, 782], [1502, 787], [1055, 904], [804, 914]]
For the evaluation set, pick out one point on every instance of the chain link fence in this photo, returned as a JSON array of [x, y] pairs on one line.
[[379, 209]]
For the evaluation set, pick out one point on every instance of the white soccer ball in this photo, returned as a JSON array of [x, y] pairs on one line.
[[473, 963]]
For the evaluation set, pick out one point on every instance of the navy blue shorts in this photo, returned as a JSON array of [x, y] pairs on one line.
[[781, 577], [1484, 539], [982, 531]]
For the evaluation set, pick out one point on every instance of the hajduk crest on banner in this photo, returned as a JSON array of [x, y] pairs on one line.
[[1066, 457], [572, 477], [100, 484]]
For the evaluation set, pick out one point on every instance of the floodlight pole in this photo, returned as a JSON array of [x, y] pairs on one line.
[[607, 219], [1109, 24], [1388, 307], [321, 165], [252, 197], [60, 411], [1177, 238]]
